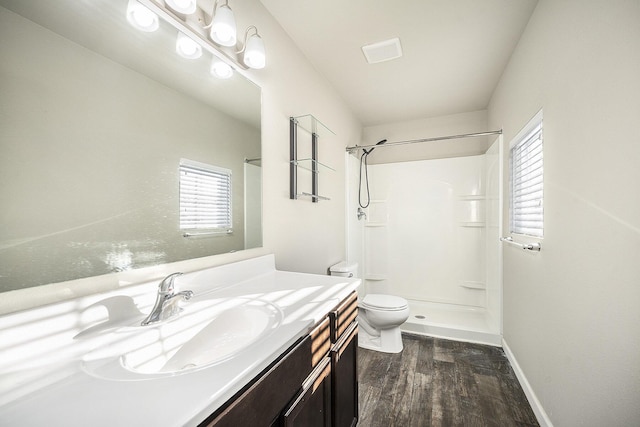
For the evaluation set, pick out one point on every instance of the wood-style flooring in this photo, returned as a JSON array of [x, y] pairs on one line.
[[437, 382]]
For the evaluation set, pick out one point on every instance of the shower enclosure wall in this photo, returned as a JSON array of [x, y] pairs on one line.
[[431, 236]]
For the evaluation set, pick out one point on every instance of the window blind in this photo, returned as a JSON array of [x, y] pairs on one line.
[[205, 197], [526, 164]]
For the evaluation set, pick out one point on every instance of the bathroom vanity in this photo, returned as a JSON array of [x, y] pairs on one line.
[[254, 346], [312, 384]]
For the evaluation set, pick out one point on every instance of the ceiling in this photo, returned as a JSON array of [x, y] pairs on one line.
[[454, 51]]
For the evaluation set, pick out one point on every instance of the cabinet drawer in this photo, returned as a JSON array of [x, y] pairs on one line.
[[281, 382], [343, 315]]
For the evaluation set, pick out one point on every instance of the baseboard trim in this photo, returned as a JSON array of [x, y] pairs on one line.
[[538, 410]]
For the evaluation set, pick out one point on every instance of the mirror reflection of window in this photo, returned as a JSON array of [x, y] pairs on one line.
[[205, 199]]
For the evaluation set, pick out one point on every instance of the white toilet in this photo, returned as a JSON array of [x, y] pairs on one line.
[[379, 316]]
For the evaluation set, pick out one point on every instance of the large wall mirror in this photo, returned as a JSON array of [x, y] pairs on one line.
[[95, 118]]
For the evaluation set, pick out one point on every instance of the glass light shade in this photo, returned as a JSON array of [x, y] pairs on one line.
[[254, 52], [223, 27], [182, 6], [141, 17], [221, 69], [187, 47]]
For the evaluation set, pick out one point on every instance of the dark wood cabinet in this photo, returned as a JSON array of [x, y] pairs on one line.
[[261, 403], [314, 383], [344, 358], [344, 385], [312, 407]]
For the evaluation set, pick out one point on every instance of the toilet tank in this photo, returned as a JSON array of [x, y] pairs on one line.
[[344, 269]]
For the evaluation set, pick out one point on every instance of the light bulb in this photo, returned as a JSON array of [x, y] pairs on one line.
[[221, 69], [141, 17], [187, 47], [254, 53], [182, 6], [223, 27]]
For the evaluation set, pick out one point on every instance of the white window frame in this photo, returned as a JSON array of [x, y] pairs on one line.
[[526, 180], [205, 199]]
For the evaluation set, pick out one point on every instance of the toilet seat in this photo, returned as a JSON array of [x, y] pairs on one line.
[[384, 302]]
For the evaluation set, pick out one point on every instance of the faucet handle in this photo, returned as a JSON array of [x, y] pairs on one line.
[[166, 286], [187, 295]]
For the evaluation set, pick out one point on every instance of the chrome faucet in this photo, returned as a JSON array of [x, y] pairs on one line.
[[165, 306]]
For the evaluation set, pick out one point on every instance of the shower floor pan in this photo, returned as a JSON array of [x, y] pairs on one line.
[[452, 322]]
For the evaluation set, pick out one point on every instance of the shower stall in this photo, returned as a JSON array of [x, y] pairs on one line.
[[430, 234]]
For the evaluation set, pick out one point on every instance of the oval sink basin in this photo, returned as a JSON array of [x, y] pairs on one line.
[[202, 336]]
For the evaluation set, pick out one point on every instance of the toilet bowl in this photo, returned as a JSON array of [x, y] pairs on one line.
[[379, 315]]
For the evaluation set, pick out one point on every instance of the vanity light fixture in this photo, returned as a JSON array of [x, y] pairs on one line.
[[223, 25], [185, 7], [218, 37], [187, 47], [220, 69], [254, 55], [141, 17]]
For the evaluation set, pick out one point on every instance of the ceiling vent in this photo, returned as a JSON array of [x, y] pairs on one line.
[[382, 51]]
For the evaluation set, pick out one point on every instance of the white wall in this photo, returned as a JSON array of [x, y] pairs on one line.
[[304, 236], [571, 312]]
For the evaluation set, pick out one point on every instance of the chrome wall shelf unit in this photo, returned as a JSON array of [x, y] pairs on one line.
[[314, 128]]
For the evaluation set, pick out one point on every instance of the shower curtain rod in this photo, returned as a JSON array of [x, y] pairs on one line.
[[414, 141]]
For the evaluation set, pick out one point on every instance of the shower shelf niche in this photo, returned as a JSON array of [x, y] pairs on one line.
[[471, 284], [375, 277], [476, 224], [314, 129], [471, 210]]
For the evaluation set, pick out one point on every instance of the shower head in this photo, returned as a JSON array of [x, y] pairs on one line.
[[363, 160], [367, 152]]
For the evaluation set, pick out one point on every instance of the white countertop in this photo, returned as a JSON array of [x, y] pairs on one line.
[[60, 364]]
